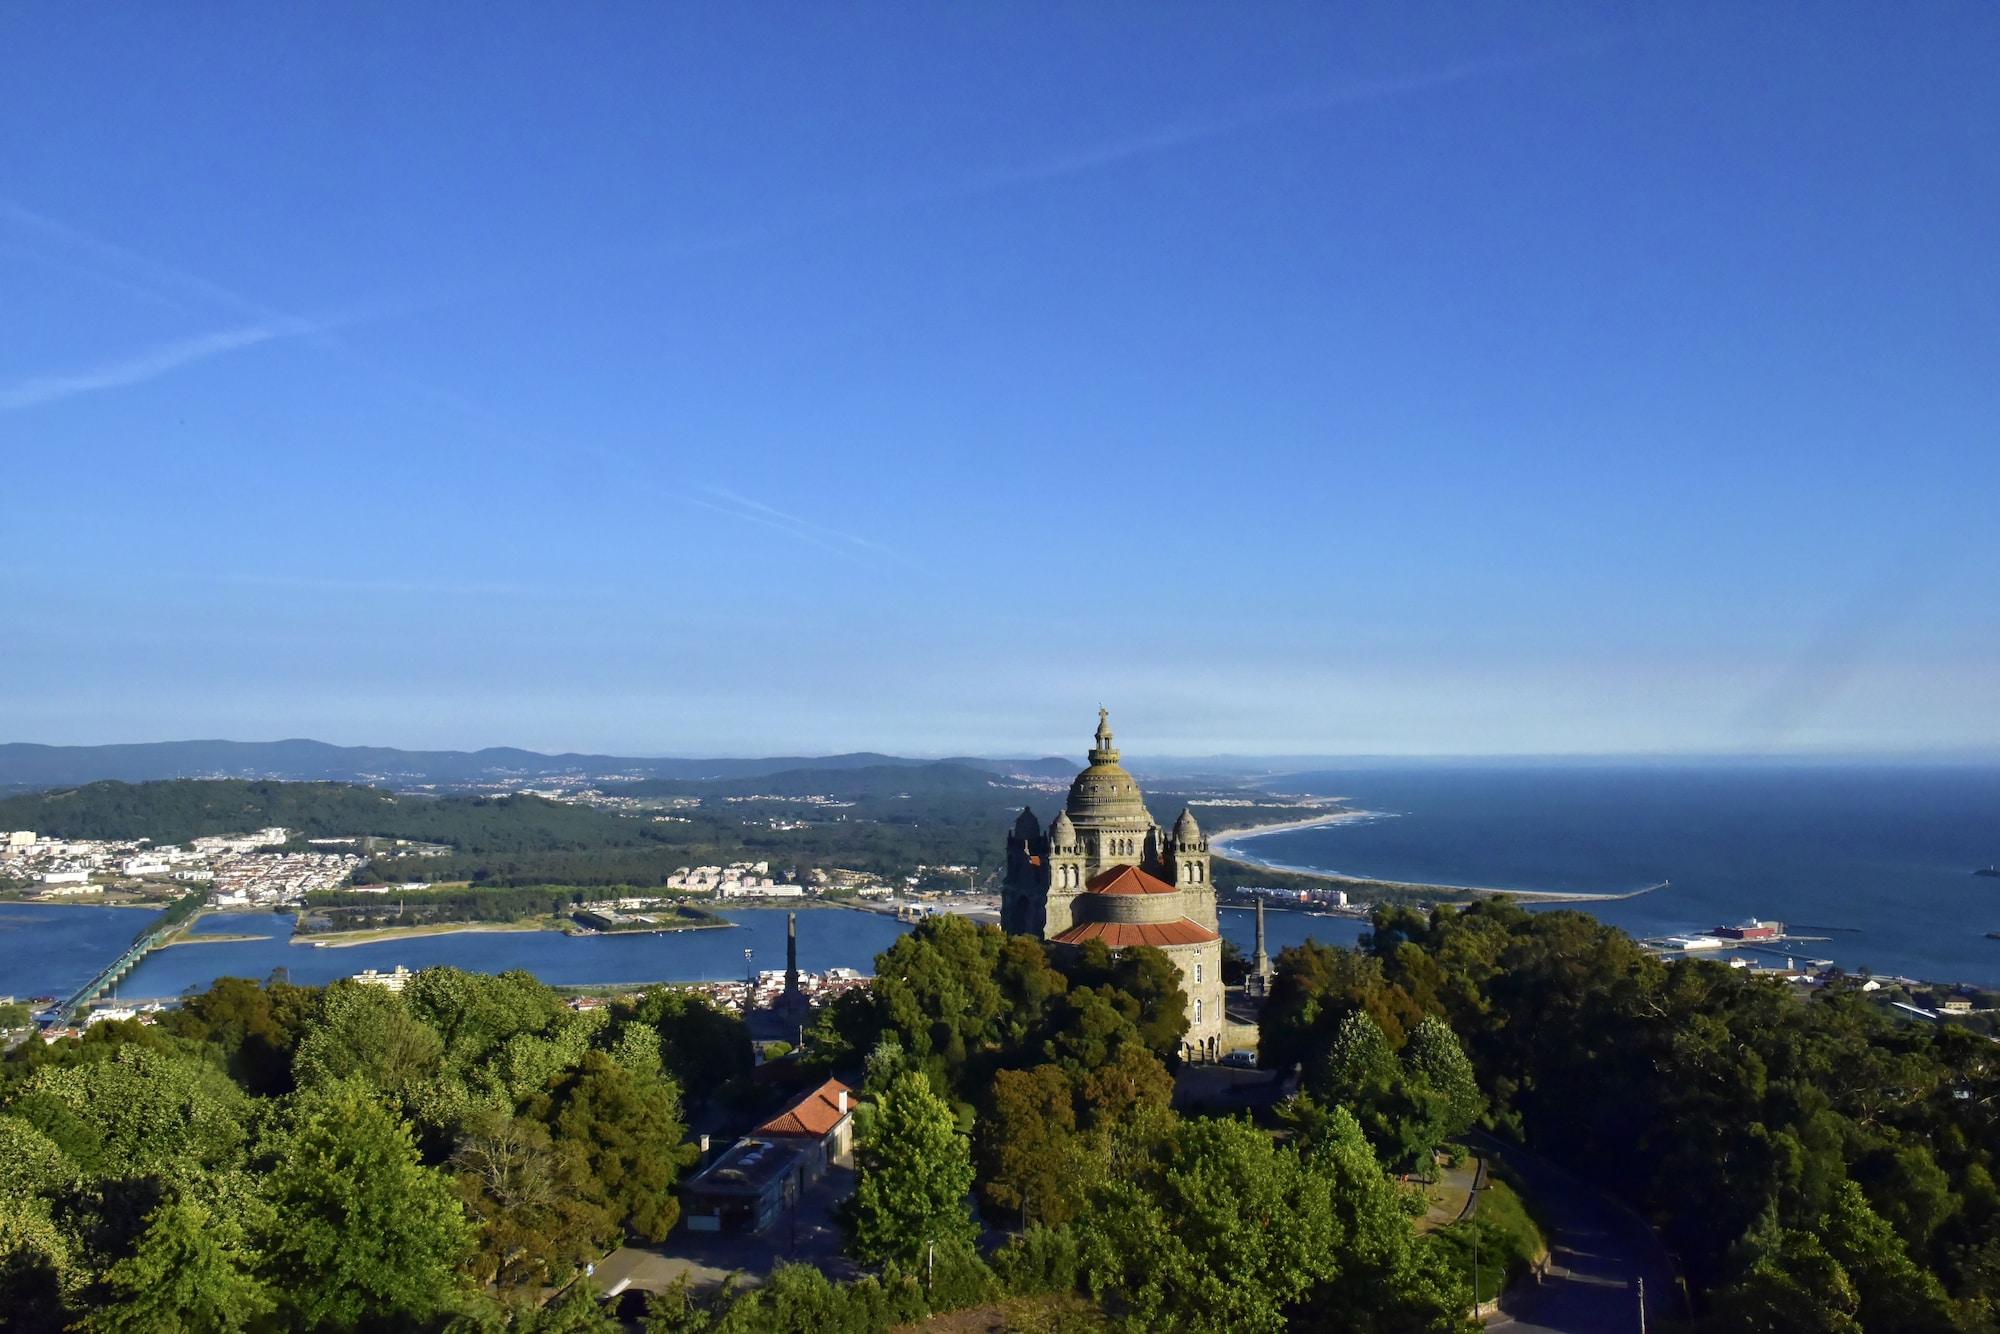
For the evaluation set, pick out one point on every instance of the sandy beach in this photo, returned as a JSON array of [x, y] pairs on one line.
[[1227, 838], [1225, 843], [340, 940]]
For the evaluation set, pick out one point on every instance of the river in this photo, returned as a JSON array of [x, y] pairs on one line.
[[52, 950]]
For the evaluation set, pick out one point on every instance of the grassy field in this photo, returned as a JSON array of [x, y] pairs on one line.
[[1508, 1239]]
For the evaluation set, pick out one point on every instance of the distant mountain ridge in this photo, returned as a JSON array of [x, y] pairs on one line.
[[27, 765]]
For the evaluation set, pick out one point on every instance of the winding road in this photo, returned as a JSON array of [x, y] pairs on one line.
[[1598, 1252]]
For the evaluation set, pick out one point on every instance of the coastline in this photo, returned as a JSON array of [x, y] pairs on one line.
[[1225, 839], [1225, 844]]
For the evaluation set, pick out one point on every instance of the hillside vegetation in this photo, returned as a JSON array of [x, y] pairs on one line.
[[884, 819]]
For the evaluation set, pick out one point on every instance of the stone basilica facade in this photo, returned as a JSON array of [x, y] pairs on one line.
[[1104, 870]]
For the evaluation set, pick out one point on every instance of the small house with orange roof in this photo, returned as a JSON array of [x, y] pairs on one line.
[[763, 1174], [820, 1122]]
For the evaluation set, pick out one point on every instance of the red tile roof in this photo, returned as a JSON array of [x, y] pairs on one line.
[[1128, 880], [815, 1113], [1121, 935]]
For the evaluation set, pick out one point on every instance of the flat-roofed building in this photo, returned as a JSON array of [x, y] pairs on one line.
[[747, 1189]]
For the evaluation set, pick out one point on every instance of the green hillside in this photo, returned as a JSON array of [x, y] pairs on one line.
[[181, 809]]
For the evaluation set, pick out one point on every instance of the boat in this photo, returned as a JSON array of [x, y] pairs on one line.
[[1993, 871]]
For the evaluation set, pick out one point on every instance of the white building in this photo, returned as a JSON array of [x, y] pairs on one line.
[[395, 981], [733, 889]]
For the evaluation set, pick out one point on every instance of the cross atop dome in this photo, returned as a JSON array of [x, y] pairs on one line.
[[1103, 752]]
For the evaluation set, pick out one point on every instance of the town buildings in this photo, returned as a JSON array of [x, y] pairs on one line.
[[739, 880], [242, 870]]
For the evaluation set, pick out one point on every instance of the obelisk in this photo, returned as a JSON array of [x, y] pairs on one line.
[[1259, 981], [792, 957]]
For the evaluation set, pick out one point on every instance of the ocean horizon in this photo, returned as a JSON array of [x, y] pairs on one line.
[[1877, 859]]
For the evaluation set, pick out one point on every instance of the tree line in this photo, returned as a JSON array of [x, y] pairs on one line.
[[1813, 1165], [287, 1158], [1031, 1089]]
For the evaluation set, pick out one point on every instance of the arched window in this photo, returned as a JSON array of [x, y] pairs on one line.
[[1197, 1012], [1197, 974]]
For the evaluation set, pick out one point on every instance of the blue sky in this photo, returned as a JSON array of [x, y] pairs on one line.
[[701, 379]]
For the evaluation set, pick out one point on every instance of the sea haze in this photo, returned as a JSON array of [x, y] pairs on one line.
[[1884, 853]]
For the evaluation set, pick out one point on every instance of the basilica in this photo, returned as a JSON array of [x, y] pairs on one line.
[[1104, 870]]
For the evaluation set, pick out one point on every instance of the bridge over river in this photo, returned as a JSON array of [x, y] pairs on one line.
[[169, 925]]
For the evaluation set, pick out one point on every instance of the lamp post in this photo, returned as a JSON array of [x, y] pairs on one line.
[[1475, 1271], [1471, 1217]]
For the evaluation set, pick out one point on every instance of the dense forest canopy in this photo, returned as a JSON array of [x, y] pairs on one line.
[[351, 1158], [346, 1157], [1814, 1165]]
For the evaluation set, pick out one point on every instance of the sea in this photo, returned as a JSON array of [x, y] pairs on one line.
[[1875, 861]]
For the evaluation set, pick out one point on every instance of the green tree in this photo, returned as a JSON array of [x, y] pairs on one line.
[[1380, 1276], [1126, 1108], [361, 1230], [1434, 1057], [1035, 1166], [191, 1271], [1089, 1027], [1316, 988], [1223, 1235], [369, 1033], [575, 1312], [1896, 1293], [529, 1199], [1793, 1287], [1148, 979], [913, 1173], [39, 1267], [136, 1110], [627, 1130], [1437, 1098], [257, 1028]]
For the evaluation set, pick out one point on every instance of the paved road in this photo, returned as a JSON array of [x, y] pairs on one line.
[[707, 1258], [1597, 1253]]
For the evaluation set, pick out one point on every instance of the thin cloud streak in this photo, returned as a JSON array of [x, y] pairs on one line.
[[141, 275], [751, 517], [143, 366], [163, 281], [1095, 157], [804, 525], [1179, 135]]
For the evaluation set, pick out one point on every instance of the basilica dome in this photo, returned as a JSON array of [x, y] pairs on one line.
[[1104, 794]]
